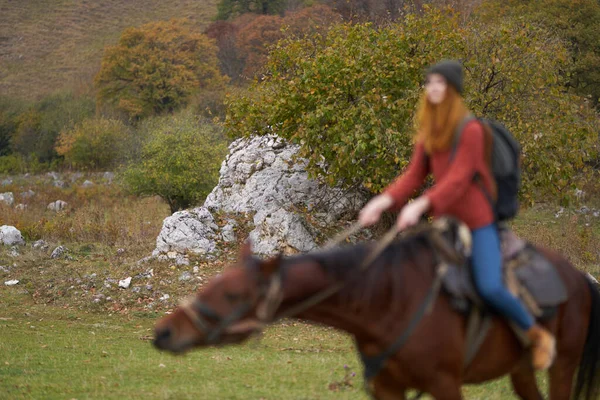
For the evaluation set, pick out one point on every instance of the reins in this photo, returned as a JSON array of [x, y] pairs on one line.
[[331, 290]]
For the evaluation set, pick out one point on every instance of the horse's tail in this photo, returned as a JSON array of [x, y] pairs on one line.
[[588, 378]]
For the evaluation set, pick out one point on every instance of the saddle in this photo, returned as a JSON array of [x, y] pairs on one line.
[[528, 275]]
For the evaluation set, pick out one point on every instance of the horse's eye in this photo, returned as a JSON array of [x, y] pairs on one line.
[[233, 297]]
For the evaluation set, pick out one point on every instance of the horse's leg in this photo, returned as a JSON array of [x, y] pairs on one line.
[[446, 387], [561, 377], [523, 381]]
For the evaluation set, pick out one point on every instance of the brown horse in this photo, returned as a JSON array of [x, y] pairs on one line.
[[376, 306]]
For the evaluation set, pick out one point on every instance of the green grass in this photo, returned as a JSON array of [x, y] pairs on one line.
[[56, 353], [57, 343], [50, 45]]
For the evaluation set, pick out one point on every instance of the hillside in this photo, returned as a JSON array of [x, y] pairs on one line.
[[49, 45]]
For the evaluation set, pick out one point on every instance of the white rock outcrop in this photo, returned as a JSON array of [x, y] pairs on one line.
[[262, 178]]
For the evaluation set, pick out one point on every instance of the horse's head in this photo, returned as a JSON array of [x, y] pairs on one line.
[[230, 308]]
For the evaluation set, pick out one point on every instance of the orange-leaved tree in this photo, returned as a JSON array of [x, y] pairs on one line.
[[156, 68]]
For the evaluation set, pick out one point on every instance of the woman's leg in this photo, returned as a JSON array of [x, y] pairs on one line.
[[487, 273]]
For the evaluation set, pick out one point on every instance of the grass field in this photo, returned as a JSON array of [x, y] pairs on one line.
[[59, 340], [50, 45]]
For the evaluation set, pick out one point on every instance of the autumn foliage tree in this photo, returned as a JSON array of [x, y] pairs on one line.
[[578, 23], [156, 68], [245, 44], [348, 97]]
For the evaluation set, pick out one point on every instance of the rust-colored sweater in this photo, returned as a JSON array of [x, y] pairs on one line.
[[454, 193]]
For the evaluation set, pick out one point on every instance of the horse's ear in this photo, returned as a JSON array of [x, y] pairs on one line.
[[270, 266], [245, 251]]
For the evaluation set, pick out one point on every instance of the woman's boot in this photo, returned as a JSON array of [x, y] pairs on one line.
[[543, 347]]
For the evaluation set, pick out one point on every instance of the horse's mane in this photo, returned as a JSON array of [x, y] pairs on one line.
[[365, 286]]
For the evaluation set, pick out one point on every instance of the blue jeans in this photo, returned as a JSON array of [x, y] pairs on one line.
[[487, 273]]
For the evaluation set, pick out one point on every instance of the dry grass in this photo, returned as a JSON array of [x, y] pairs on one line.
[[101, 214], [47, 45]]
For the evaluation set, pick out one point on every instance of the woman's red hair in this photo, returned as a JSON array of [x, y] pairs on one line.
[[436, 123]]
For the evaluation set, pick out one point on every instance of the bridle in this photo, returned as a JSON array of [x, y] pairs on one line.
[[210, 323]]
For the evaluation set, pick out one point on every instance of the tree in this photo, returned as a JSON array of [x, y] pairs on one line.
[[255, 39], [156, 68], [179, 160], [576, 22], [348, 97], [97, 143], [38, 126]]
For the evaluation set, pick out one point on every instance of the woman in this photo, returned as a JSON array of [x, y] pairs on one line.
[[456, 193]]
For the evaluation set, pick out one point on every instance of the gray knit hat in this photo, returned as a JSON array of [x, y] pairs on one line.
[[451, 70]]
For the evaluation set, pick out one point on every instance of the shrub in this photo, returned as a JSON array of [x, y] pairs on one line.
[[95, 144], [179, 160], [38, 127]]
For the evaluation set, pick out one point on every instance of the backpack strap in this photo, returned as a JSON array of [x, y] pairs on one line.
[[458, 134]]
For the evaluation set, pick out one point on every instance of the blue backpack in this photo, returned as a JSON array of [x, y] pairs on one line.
[[506, 168]]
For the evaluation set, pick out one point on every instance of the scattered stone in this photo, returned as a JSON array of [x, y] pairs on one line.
[[53, 175], [7, 182], [28, 194], [579, 194], [108, 176], [11, 282], [196, 269], [596, 214], [40, 244], [10, 236], [120, 252], [60, 251], [14, 252], [75, 176], [7, 198], [4, 269], [99, 297], [58, 205], [165, 297], [584, 210], [61, 184], [559, 212], [87, 184], [136, 289], [21, 206], [148, 287], [181, 260], [186, 276], [124, 283], [228, 233]]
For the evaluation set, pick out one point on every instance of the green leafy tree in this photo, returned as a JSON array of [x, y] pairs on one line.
[[179, 160], [94, 144], [348, 97], [156, 68], [38, 126], [578, 23]]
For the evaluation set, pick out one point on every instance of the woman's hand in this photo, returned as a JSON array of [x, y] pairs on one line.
[[371, 213], [412, 212]]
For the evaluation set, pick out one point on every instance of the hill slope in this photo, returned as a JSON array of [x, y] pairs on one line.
[[48, 45]]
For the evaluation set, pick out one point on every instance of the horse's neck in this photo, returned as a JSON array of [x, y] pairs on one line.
[[303, 282]]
